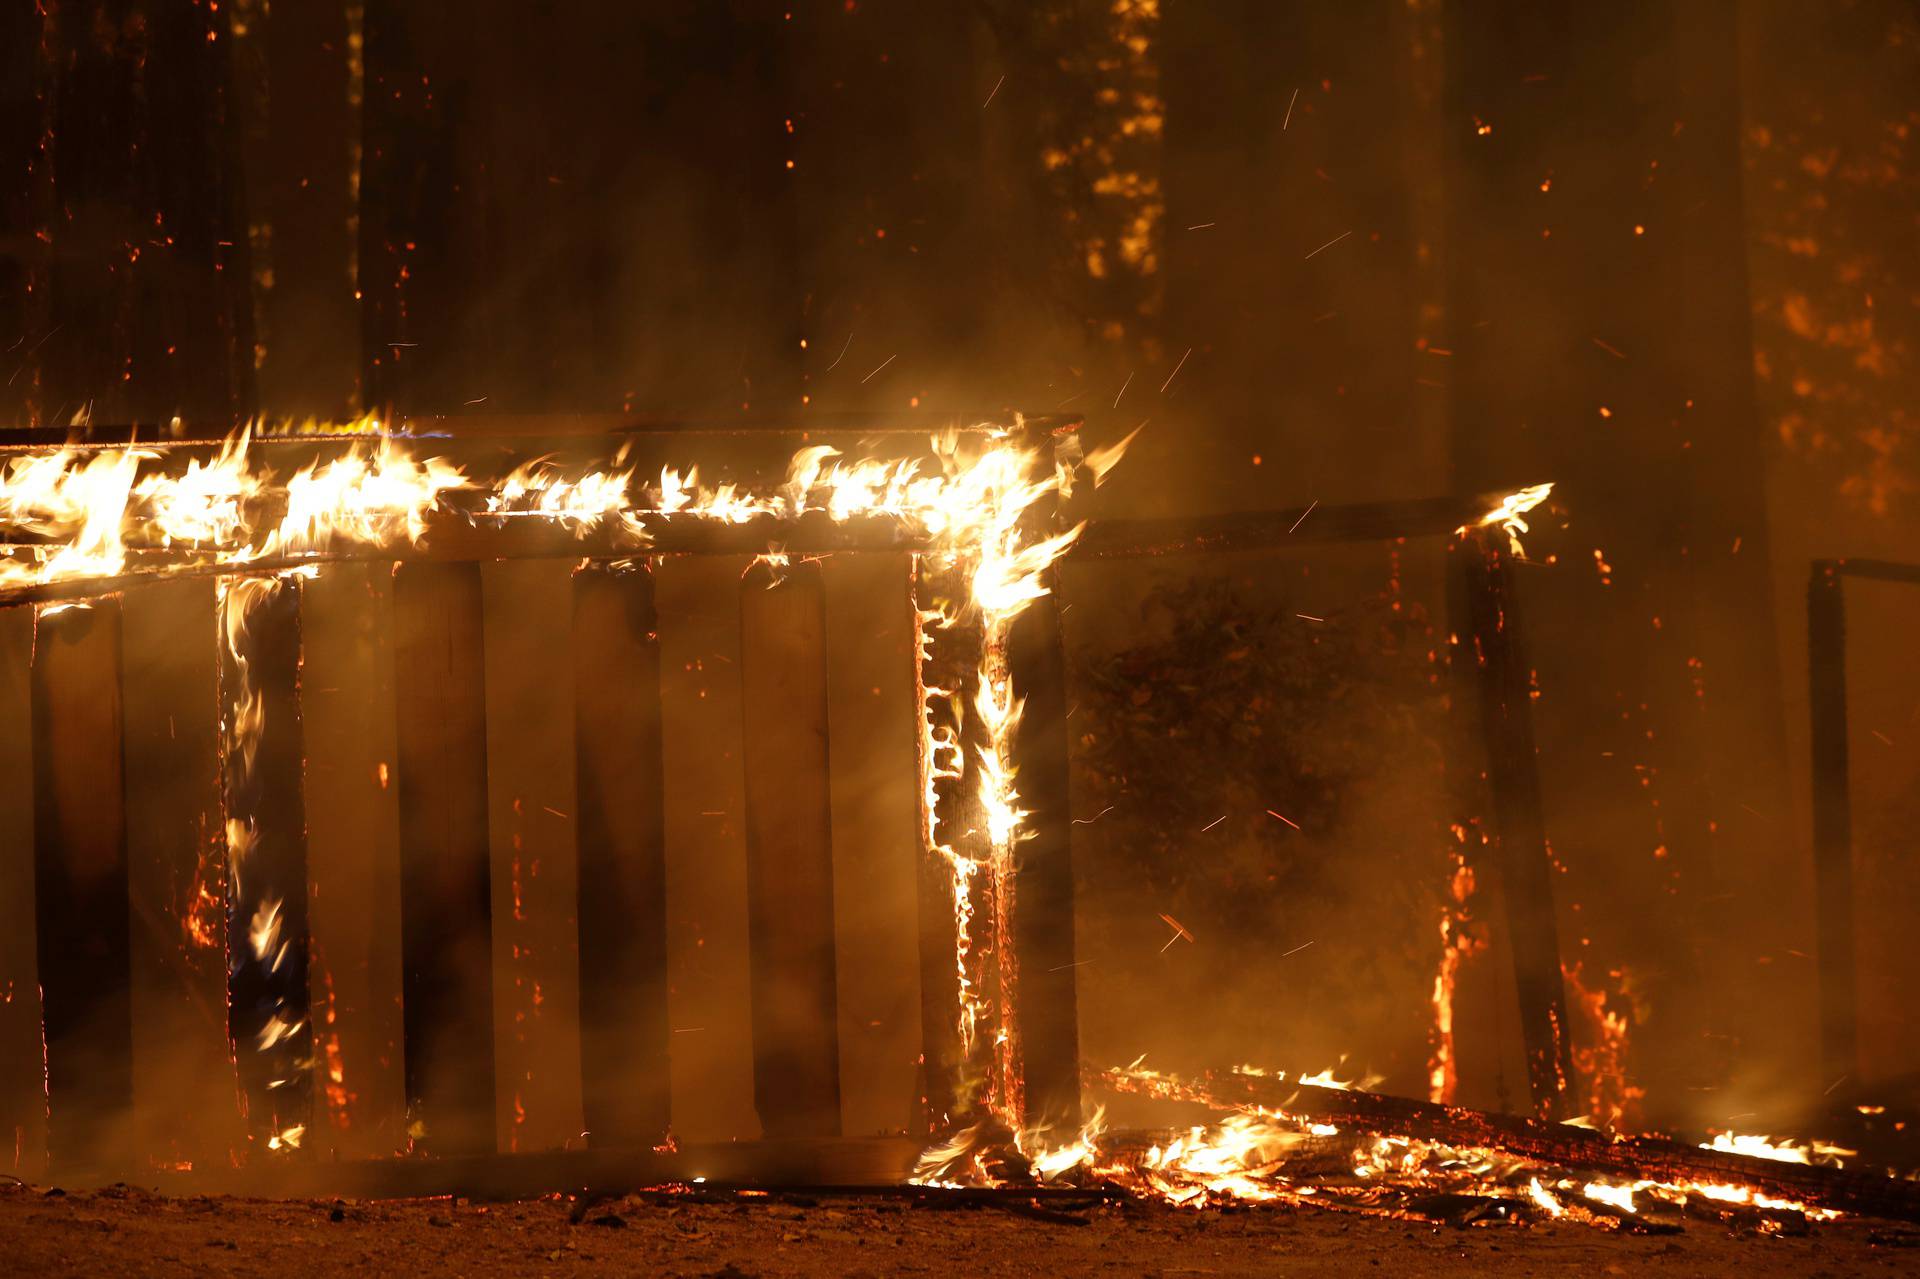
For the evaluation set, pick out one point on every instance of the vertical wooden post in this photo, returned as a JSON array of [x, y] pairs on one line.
[[530, 825], [1520, 841], [621, 819], [23, 1080], [870, 687], [952, 828], [709, 957], [445, 891], [783, 677], [267, 852], [184, 1087], [347, 708], [1046, 1002], [80, 874], [1832, 821]]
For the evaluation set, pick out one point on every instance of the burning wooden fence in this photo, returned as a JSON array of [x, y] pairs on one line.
[[175, 745]]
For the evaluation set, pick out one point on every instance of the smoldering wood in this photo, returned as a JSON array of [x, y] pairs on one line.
[[184, 1087], [445, 889], [80, 882], [347, 707], [23, 1083], [1863, 1191], [1832, 823], [1519, 844], [789, 827], [531, 826], [261, 783], [620, 801]]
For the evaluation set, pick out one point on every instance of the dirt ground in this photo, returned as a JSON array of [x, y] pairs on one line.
[[131, 1232]]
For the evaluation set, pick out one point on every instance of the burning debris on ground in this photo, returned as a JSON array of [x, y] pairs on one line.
[[761, 642]]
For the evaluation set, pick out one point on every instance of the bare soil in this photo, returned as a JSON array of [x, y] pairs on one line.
[[123, 1231]]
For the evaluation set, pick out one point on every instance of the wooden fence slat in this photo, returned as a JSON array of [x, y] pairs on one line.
[[353, 840], [783, 677], [620, 803], [267, 1000], [875, 848], [23, 1081], [80, 872], [709, 983], [445, 891], [184, 1085], [950, 815], [530, 820], [1046, 1004], [1520, 841]]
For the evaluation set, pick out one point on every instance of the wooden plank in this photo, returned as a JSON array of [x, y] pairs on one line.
[[1832, 825], [445, 890], [875, 849], [353, 841], [530, 821], [80, 876], [185, 1097], [267, 1001], [620, 807], [1046, 1004], [23, 1080], [789, 823], [709, 986], [1520, 842], [951, 825]]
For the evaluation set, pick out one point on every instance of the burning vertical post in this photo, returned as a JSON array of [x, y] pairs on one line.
[[261, 785], [445, 889], [789, 826], [1520, 841], [953, 832], [1047, 1009], [1832, 820], [621, 802], [80, 879]]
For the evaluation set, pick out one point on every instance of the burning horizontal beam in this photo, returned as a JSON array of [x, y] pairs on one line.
[[462, 533]]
